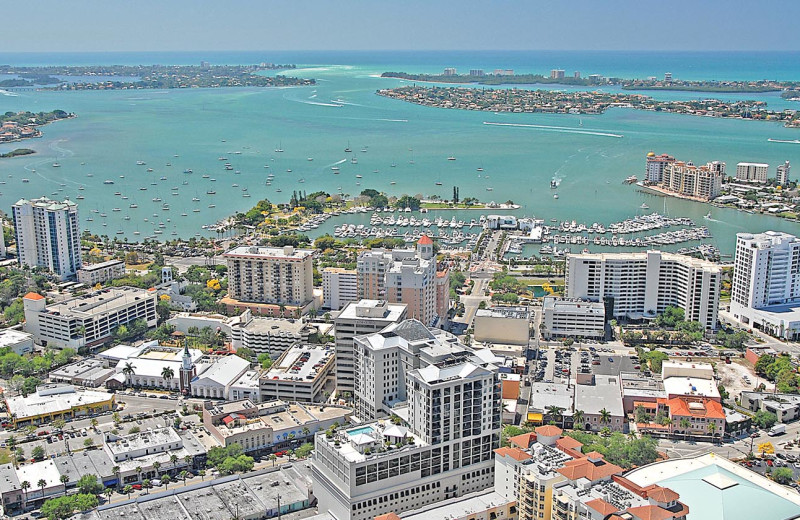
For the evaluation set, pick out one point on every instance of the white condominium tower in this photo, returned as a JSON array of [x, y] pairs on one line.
[[702, 182], [274, 275], [766, 270], [782, 173], [47, 235], [644, 284], [753, 172]]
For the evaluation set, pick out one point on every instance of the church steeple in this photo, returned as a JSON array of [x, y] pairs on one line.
[[187, 371]]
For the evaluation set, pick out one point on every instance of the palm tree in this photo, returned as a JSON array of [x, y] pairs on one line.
[[556, 413], [605, 416], [577, 418], [712, 429], [685, 424], [128, 370], [273, 458], [108, 492], [165, 481], [115, 470], [306, 431], [42, 484], [146, 484], [128, 490], [167, 373], [138, 473], [94, 422], [64, 479], [188, 460], [25, 486], [183, 474], [202, 474], [173, 459], [156, 466]]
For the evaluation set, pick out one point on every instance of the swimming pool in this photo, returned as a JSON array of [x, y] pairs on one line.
[[357, 431]]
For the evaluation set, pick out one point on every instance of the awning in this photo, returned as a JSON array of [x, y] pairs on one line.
[[535, 417]]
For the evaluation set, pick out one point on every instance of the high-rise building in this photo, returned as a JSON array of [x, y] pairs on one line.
[[450, 71], [765, 292], [446, 451], [641, 285], [48, 235], [339, 287], [702, 182], [782, 173], [356, 319], [654, 170], [752, 172], [476, 72], [576, 74], [270, 275], [668, 77], [557, 74], [406, 276]]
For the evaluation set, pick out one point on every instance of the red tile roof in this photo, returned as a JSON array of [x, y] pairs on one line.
[[514, 453], [523, 441], [33, 296], [584, 468], [425, 240], [549, 431], [601, 506], [387, 516], [662, 494], [651, 512], [680, 406], [569, 444]]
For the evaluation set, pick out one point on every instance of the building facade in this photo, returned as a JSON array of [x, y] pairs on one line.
[[565, 318], [701, 182], [508, 325], [655, 166], [87, 320], [356, 319], [642, 285], [264, 335], [48, 235], [782, 173], [339, 287], [301, 374], [271, 275], [752, 172], [102, 272]]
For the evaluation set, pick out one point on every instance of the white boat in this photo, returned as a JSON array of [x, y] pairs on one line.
[[555, 196], [644, 206], [140, 163], [451, 158], [56, 165]]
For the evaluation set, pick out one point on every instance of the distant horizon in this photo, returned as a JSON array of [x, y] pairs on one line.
[[367, 51]]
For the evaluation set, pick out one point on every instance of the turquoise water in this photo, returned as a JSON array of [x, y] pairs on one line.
[[115, 129], [357, 431]]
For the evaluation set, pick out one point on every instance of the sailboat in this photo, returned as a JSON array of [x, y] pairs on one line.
[[348, 150], [279, 149]]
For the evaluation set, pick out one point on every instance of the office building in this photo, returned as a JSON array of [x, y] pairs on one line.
[[356, 319], [446, 451], [56, 401], [266, 278], [667, 77], [752, 172], [576, 74], [641, 285], [557, 74], [407, 276], [302, 374], [16, 341], [786, 407], [603, 393], [48, 235], [782, 173], [339, 287], [655, 166], [102, 272], [506, 325], [89, 320], [89, 372], [765, 292], [570, 318], [700, 182], [270, 425]]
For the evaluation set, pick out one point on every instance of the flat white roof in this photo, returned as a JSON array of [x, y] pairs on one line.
[[36, 404], [605, 393], [45, 469], [10, 337]]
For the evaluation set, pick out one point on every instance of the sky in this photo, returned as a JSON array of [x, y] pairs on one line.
[[194, 25]]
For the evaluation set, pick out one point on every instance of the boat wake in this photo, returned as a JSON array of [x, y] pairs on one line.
[[7, 93], [788, 141], [337, 163], [307, 102], [559, 129], [394, 120]]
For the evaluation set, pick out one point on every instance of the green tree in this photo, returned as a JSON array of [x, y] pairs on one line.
[[108, 492], [128, 490], [764, 419], [89, 484], [38, 453], [165, 480], [167, 374], [605, 417], [782, 475], [64, 479], [304, 450]]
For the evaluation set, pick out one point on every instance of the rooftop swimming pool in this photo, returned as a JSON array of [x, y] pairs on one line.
[[362, 429]]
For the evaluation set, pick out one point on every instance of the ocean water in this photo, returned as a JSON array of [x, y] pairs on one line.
[[192, 129]]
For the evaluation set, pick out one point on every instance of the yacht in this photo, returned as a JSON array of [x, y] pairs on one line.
[[107, 181], [451, 158], [56, 165], [140, 163], [354, 160], [644, 206]]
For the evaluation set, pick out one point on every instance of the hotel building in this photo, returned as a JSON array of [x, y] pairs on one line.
[[269, 276], [87, 320], [765, 292], [642, 285], [701, 182], [48, 235], [752, 172], [356, 319]]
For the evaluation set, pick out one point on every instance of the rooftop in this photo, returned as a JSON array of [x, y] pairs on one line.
[[605, 393], [10, 337], [223, 371], [139, 441], [551, 394], [574, 306], [45, 203], [101, 265], [518, 312], [275, 326], [99, 302], [287, 252], [300, 363], [54, 400], [372, 310], [458, 507]]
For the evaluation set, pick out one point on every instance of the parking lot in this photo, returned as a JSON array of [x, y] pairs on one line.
[[558, 365]]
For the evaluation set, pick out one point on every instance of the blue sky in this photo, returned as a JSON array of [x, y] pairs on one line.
[[174, 25]]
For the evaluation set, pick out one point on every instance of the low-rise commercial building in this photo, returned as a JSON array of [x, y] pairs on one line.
[[601, 404], [16, 341], [92, 274], [88, 320], [685, 379], [786, 407], [270, 425], [356, 319], [90, 373], [339, 287], [56, 401], [507, 325], [144, 449], [572, 318], [300, 374]]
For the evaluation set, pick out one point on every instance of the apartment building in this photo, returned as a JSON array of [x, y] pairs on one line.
[[642, 285], [445, 452], [269, 276], [339, 287], [571, 318], [701, 182], [102, 272], [87, 320], [406, 276], [752, 172], [655, 166], [765, 292], [356, 319], [782, 173], [47, 233]]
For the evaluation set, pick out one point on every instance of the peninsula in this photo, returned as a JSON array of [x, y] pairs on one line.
[[16, 126], [108, 77], [595, 102], [594, 80]]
